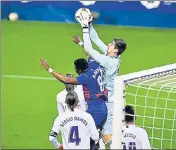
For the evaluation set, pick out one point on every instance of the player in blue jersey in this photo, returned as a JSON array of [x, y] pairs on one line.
[[90, 77], [109, 61]]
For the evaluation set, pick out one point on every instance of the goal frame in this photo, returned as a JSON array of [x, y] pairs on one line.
[[119, 102]]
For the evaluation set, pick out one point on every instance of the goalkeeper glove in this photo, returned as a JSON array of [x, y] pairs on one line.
[[83, 19]]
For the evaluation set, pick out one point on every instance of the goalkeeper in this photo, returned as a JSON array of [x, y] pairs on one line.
[[110, 62]]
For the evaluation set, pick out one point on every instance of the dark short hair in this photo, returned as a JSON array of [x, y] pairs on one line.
[[71, 100], [81, 64], [69, 87], [129, 114], [120, 45]]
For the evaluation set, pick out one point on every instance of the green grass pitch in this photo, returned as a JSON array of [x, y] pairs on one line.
[[29, 105]]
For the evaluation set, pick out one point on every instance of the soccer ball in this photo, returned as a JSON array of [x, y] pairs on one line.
[[13, 16], [84, 11]]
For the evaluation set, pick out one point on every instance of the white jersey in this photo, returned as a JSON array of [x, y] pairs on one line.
[[135, 138], [61, 97], [76, 128]]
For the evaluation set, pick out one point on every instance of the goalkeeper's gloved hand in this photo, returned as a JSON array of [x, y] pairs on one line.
[[84, 19]]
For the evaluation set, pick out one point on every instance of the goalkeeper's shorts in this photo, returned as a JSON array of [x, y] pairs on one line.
[[107, 128]]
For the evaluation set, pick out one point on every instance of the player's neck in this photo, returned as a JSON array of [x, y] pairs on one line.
[[112, 55], [75, 109], [130, 123]]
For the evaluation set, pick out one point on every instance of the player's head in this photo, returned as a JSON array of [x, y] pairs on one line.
[[69, 87], [81, 65], [71, 100], [130, 116], [116, 47]]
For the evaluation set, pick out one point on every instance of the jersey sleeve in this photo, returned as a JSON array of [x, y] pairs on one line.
[[56, 125], [60, 106], [54, 131], [100, 58], [93, 130], [82, 101], [144, 140], [95, 38], [82, 79]]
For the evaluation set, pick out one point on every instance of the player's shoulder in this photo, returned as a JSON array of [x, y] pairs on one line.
[[90, 60], [86, 115], [58, 119], [142, 131], [81, 112], [78, 88], [116, 60], [61, 94], [85, 75]]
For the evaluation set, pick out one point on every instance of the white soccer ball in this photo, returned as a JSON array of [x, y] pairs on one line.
[[83, 11], [13, 16]]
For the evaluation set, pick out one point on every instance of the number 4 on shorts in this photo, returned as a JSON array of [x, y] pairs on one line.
[[74, 135]]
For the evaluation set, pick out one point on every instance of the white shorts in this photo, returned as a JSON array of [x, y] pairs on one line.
[[107, 128]]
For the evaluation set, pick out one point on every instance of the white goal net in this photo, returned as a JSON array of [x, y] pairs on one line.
[[153, 94]]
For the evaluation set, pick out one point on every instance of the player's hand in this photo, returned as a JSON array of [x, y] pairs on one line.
[[44, 63], [60, 147], [84, 20], [76, 39]]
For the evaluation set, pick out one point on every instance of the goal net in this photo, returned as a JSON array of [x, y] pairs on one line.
[[153, 95]]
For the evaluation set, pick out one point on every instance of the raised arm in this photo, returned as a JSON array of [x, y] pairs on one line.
[[100, 58], [58, 76], [78, 41], [95, 38]]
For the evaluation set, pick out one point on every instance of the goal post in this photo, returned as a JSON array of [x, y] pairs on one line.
[[152, 93]]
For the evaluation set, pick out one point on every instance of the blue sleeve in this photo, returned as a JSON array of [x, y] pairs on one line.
[[82, 79]]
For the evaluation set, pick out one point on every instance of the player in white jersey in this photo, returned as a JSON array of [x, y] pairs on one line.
[[75, 125], [61, 105], [134, 137], [110, 62]]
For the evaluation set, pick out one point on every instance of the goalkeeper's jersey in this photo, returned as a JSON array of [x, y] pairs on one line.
[[110, 71], [135, 138]]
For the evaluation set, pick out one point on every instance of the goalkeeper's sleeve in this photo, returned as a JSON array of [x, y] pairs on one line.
[[104, 60], [95, 38]]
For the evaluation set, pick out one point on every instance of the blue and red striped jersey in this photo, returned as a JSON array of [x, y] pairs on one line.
[[93, 82]]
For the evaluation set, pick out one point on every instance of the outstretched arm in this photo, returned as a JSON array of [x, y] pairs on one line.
[[95, 38], [78, 41], [58, 76], [102, 59]]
